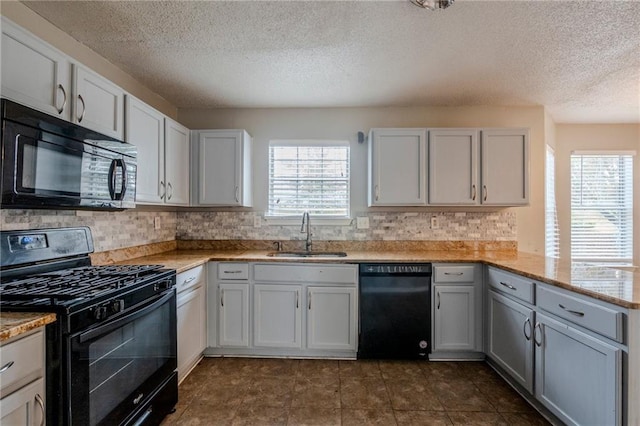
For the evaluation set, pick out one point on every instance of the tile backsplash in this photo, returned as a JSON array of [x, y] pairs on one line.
[[390, 226], [115, 230], [110, 230]]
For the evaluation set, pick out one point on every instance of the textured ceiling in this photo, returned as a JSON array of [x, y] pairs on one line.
[[581, 59]]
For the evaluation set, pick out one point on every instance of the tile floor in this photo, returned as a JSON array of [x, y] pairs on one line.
[[243, 391]]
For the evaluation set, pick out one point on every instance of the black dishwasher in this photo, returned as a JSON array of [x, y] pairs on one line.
[[395, 311]]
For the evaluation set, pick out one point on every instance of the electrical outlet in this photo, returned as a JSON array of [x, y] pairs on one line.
[[156, 223], [257, 221], [434, 222], [362, 222]]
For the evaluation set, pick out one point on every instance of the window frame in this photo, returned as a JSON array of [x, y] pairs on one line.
[[316, 219]]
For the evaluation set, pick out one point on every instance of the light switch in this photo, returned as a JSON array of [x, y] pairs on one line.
[[156, 223], [362, 222]]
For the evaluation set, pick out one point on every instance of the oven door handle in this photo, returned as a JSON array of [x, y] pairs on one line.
[[139, 312]]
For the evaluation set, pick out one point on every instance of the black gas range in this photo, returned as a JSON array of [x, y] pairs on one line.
[[111, 354]]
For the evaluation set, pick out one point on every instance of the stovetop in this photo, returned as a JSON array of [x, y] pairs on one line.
[[75, 285]]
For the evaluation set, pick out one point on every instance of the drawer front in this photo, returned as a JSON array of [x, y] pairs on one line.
[[590, 315], [233, 271], [191, 278], [514, 285], [334, 274], [453, 274], [22, 362]]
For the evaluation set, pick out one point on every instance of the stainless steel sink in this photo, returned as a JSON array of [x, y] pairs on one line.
[[307, 254]]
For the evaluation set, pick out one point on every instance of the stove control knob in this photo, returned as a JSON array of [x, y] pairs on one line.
[[100, 313], [116, 306]]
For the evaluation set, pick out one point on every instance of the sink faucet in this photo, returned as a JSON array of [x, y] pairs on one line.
[[306, 221]]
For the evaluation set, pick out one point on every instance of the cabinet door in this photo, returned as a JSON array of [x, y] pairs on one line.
[[191, 316], [223, 163], [397, 167], [145, 129], [510, 342], [505, 167], [454, 317], [176, 162], [332, 318], [98, 103], [233, 319], [453, 167], [577, 376], [24, 407], [34, 73], [277, 316]]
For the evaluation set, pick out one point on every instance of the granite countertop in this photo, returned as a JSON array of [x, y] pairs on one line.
[[616, 286], [15, 323]]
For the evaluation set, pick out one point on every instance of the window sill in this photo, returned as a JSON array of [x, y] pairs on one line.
[[315, 221]]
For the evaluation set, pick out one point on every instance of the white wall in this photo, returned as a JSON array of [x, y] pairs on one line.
[[610, 137], [344, 123]]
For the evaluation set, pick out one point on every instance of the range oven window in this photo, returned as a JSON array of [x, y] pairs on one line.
[[115, 366]]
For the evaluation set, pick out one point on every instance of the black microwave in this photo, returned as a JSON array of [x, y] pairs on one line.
[[51, 163]]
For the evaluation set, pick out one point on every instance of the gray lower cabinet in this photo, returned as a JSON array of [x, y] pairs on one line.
[[577, 376], [233, 315], [277, 316], [509, 337]]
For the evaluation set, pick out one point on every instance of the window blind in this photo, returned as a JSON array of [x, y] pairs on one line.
[[552, 239], [602, 208], [309, 176]]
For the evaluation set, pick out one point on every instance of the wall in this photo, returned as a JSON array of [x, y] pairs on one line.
[[31, 21], [344, 124], [586, 137], [110, 230]]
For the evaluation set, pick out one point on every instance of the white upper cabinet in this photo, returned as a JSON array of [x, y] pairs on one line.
[[505, 167], [163, 154], [453, 167], [97, 103], [176, 149], [397, 167], [222, 159], [34, 73], [145, 129]]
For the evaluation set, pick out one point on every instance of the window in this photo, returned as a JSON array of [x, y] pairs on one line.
[[602, 207], [309, 176], [551, 217]]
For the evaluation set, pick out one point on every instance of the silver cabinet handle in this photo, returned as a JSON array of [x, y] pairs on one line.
[[485, 192], [309, 294], [84, 108], [438, 301], [524, 329], [164, 189], [237, 194], [576, 313], [64, 99], [232, 272], [535, 340], [454, 273], [297, 299], [509, 286], [188, 280], [40, 403], [473, 192], [170, 189], [377, 192], [6, 367], [222, 298]]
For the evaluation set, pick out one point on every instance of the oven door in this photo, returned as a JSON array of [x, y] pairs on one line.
[[117, 366], [42, 169]]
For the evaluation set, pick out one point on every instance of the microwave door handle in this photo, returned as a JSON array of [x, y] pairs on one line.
[[123, 187], [115, 164], [112, 179]]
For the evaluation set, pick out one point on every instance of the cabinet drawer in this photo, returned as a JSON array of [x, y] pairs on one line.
[[453, 274], [190, 278], [512, 284], [23, 360], [590, 315], [334, 274], [233, 271]]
